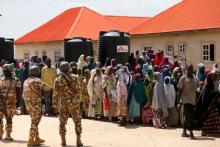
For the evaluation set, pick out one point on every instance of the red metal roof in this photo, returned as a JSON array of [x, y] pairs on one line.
[[74, 22], [128, 22], [186, 15]]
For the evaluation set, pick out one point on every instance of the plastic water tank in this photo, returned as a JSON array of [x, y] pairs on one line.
[[76, 46], [114, 44], [6, 48]]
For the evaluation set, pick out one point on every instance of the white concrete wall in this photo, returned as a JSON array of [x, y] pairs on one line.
[[49, 47], [193, 41]]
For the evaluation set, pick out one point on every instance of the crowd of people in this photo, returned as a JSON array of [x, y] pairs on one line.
[[148, 90]]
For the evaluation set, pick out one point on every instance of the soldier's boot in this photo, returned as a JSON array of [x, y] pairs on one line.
[[63, 140], [39, 140], [78, 141], [8, 137], [31, 142]]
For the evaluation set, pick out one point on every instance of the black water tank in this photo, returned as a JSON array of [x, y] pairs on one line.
[[76, 46], [114, 44], [6, 49]]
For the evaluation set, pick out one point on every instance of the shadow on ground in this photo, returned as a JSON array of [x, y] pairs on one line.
[[15, 141], [200, 138]]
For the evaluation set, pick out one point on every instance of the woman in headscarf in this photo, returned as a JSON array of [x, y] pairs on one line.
[[147, 115], [95, 93], [165, 62], [90, 89], [207, 108], [137, 70], [145, 69], [85, 95], [201, 74], [109, 89], [122, 97], [91, 64], [170, 97], [128, 77], [165, 72], [215, 67], [175, 78], [113, 63], [81, 62], [159, 105], [136, 98], [158, 58]]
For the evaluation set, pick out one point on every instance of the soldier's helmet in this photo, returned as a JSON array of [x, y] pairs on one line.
[[34, 71], [8, 67], [64, 67]]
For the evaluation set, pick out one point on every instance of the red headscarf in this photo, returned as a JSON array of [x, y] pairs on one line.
[[165, 62]]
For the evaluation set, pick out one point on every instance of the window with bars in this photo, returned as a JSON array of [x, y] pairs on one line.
[[44, 53], [182, 48], [57, 55], [208, 52], [27, 55], [169, 50]]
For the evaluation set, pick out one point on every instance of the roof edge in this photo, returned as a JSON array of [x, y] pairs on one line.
[[20, 43], [127, 16], [183, 31]]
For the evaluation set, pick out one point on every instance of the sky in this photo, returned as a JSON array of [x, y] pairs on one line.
[[21, 16]]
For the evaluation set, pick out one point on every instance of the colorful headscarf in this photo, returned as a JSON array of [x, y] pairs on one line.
[[201, 74], [145, 69], [121, 84], [150, 74], [165, 62], [158, 96], [81, 62]]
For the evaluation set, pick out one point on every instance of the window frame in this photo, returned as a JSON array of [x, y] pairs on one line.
[[27, 53], [44, 53], [182, 48], [56, 58], [169, 52], [206, 51]]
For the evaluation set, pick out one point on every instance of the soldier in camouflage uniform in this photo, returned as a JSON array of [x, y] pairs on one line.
[[10, 91], [65, 101], [32, 93]]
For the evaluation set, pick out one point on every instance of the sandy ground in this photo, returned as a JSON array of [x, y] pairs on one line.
[[104, 134]]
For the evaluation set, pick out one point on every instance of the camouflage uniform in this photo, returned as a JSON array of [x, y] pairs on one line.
[[10, 104], [66, 101], [32, 94]]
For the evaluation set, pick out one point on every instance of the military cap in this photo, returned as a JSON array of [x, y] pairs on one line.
[[64, 67], [34, 71], [8, 67]]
